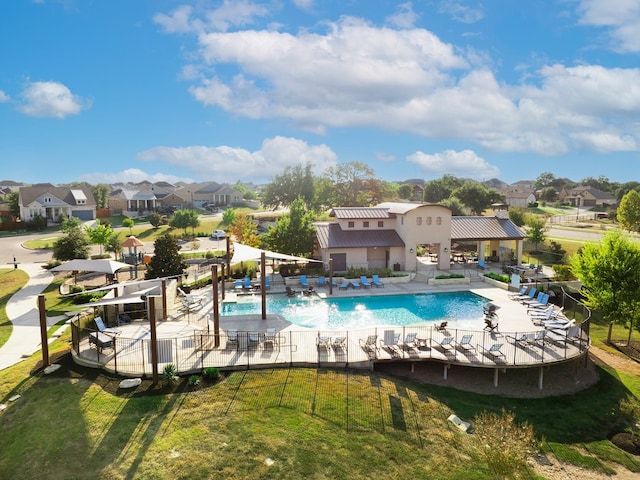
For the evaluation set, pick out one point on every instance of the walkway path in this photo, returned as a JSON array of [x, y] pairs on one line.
[[22, 310]]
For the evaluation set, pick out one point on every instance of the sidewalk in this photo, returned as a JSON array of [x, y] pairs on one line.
[[22, 310]]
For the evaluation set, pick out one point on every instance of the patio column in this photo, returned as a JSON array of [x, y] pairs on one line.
[[540, 377], [481, 252], [519, 245], [43, 330]]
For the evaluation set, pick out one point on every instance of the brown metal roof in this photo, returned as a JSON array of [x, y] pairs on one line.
[[485, 228], [359, 212], [332, 236]]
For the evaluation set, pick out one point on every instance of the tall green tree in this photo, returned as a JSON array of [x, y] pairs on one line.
[[99, 234], [70, 223], [608, 271], [476, 196], [185, 218], [536, 230], [435, 191], [101, 194], [518, 215], [629, 212], [293, 233], [229, 216], [74, 244], [350, 184], [114, 244], [128, 223], [167, 261], [14, 206], [155, 219], [245, 230], [405, 191], [295, 182]]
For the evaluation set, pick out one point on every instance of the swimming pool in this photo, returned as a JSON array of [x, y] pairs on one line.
[[357, 312]]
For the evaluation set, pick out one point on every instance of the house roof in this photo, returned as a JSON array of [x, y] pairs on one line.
[[595, 192], [402, 208], [342, 213], [330, 235], [69, 196], [485, 228]]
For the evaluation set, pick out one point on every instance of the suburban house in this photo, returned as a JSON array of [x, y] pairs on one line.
[[518, 197], [388, 236], [131, 202], [211, 193], [51, 202], [586, 196]]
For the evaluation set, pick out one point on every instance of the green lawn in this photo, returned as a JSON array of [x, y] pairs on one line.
[[11, 280]]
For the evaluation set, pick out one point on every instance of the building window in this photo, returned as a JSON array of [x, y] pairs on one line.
[[380, 224], [47, 199], [438, 220], [428, 220], [351, 224], [418, 221], [365, 224]]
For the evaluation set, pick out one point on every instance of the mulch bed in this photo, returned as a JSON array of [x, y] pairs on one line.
[[632, 350]]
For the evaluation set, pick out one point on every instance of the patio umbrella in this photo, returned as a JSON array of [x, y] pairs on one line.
[[103, 265]]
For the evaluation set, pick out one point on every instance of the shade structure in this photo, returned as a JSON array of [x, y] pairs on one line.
[[103, 265], [242, 253], [129, 298], [132, 242]]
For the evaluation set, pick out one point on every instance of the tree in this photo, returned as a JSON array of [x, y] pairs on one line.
[[435, 191], [476, 196], [406, 191], [548, 194], [629, 211], [184, 219], [536, 230], [128, 223], [518, 215], [349, 181], [113, 244], [626, 188], [244, 230], [69, 224], [247, 194], [229, 216], [74, 244], [455, 205], [101, 194], [14, 206], [155, 219], [545, 179], [608, 271], [296, 181], [99, 234], [602, 183], [167, 261], [293, 233]]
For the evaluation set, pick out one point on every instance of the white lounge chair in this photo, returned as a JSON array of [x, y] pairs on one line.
[[102, 328], [369, 345]]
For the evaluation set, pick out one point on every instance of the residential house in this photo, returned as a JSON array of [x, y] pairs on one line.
[[586, 196], [51, 202], [518, 197]]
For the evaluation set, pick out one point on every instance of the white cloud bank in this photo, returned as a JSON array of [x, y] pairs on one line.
[[466, 164], [50, 99]]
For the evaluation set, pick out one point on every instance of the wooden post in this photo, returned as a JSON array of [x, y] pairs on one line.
[[216, 311], [228, 257], [43, 330], [331, 276], [164, 298], [263, 288], [151, 305], [222, 281]]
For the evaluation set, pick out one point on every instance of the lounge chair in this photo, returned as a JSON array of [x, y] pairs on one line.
[[267, 283], [442, 327], [232, 337], [532, 293], [522, 291], [246, 283], [390, 342], [365, 283], [409, 341], [303, 281], [444, 341], [537, 338], [102, 328], [465, 342], [339, 343], [369, 345], [376, 281], [494, 349], [238, 285], [323, 341], [290, 291], [355, 284], [482, 265], [100, 340], [270, 337], [124, 318], [253, 339], [541, 301], [321, 281], [344, 285]]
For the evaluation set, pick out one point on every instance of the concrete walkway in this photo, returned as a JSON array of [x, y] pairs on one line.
[[22, 310]]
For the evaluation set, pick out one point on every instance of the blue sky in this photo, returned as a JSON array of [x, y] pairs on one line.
[[226, 90]]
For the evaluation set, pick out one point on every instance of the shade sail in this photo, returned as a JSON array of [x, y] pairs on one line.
[[133, 297], [243, 253], [103, 265]]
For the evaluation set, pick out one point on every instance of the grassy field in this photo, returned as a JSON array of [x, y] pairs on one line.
[[11, 281]]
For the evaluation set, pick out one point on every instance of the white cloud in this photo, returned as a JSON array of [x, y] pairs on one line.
[[385, 157], [50, 99], [464, 164], [404, 17], [4, 97], [231, 13], [132, 175], [232, 163], [356, 74], [461, 12], [303, 4], [621, 17]]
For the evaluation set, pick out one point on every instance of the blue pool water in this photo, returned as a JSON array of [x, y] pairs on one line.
[[358, 312]]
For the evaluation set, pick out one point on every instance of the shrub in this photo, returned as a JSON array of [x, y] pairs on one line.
[[194, 381], [452, 275], [563, 273], [170, 375], [211, 374], [498, 277]]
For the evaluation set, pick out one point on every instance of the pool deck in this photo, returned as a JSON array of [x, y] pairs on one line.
[[188, 340]]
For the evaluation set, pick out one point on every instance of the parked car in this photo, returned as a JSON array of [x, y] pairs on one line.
[[218, 234]]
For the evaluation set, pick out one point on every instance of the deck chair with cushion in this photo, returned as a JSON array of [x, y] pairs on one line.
[[323, 341], [344, 285], [482, 265], [521, 292], [494, 349], [339, 343], [321, 281], [303, 281], [102, 328], [270, 337], [369, 345], [376, 281], [253, 339], [246, 283], [365, 283], [525, 296], [390, 342], [409, 341], [232, 338], [237, 285], [355, 284], [443, 341], [465, 342]]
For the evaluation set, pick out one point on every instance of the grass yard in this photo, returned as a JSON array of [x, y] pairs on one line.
[[11, 280]]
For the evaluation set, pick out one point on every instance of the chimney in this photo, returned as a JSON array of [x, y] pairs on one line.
[[500, 210]]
